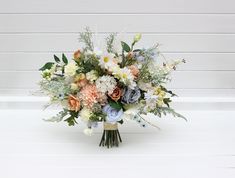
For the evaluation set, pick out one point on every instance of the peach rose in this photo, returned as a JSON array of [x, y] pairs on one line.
[[134, 71], [77, 54], [117, 93], [74, 103], [80, 80]]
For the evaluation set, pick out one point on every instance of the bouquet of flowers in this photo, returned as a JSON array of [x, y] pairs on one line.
[[109, 86]]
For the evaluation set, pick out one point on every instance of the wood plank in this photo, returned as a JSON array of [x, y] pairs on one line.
[[195, 61], [216, 92], [181, 79], [69, 42], [152, 23], [121, 6]]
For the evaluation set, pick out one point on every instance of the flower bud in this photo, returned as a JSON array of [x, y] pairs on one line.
[[137, 37], [77, 55]]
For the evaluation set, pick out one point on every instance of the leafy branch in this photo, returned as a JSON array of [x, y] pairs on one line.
[[86, 38]]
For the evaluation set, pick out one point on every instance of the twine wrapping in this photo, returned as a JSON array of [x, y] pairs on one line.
[[108, 126]]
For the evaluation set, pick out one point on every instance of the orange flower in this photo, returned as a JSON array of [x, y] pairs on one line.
[[117, 93], [74, 103], [77, 54], [134, 71]]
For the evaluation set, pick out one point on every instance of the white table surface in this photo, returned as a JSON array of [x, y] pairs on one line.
[[202, 147]]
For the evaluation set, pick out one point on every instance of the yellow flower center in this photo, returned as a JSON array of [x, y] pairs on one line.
[[106, 59], [124, 75]]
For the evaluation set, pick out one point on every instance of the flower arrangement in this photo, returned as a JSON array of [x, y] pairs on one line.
[[109, 85]]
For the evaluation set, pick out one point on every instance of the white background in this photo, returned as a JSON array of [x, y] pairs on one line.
[[200, 31]]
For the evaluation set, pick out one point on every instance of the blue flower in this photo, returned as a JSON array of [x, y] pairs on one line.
[[113, 115], [131, 95]]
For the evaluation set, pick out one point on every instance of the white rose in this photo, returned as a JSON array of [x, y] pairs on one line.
[[70, 69], [85, 114]]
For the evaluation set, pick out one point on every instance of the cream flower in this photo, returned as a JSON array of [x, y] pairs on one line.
[[92, 75], [46, 74], [85, 114], [70, 69], [73, 86]]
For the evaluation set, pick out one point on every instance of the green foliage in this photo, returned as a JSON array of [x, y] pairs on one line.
[[86, 38], [86, 65], [166, 110], [167, 101], [168, 91], [97, 116], [71, 120], [59, 117], [125, 46], [120, 122], [64, 58], [110, 43], [115, 105], [48, 66], [56, 59]]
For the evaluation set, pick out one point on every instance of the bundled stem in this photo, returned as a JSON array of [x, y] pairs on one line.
[[111, 136]]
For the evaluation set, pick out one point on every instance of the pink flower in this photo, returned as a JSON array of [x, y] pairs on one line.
[[89, 95], [134, 71]]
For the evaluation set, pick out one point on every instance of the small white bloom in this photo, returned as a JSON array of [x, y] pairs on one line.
[[150, 95], [151, 99], [70, 69], [105, 84], [88, 131], [145, 86]]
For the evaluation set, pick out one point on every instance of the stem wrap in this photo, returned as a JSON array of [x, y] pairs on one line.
[[111, 136]]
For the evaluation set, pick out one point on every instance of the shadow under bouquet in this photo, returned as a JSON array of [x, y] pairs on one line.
[[109, 85]]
